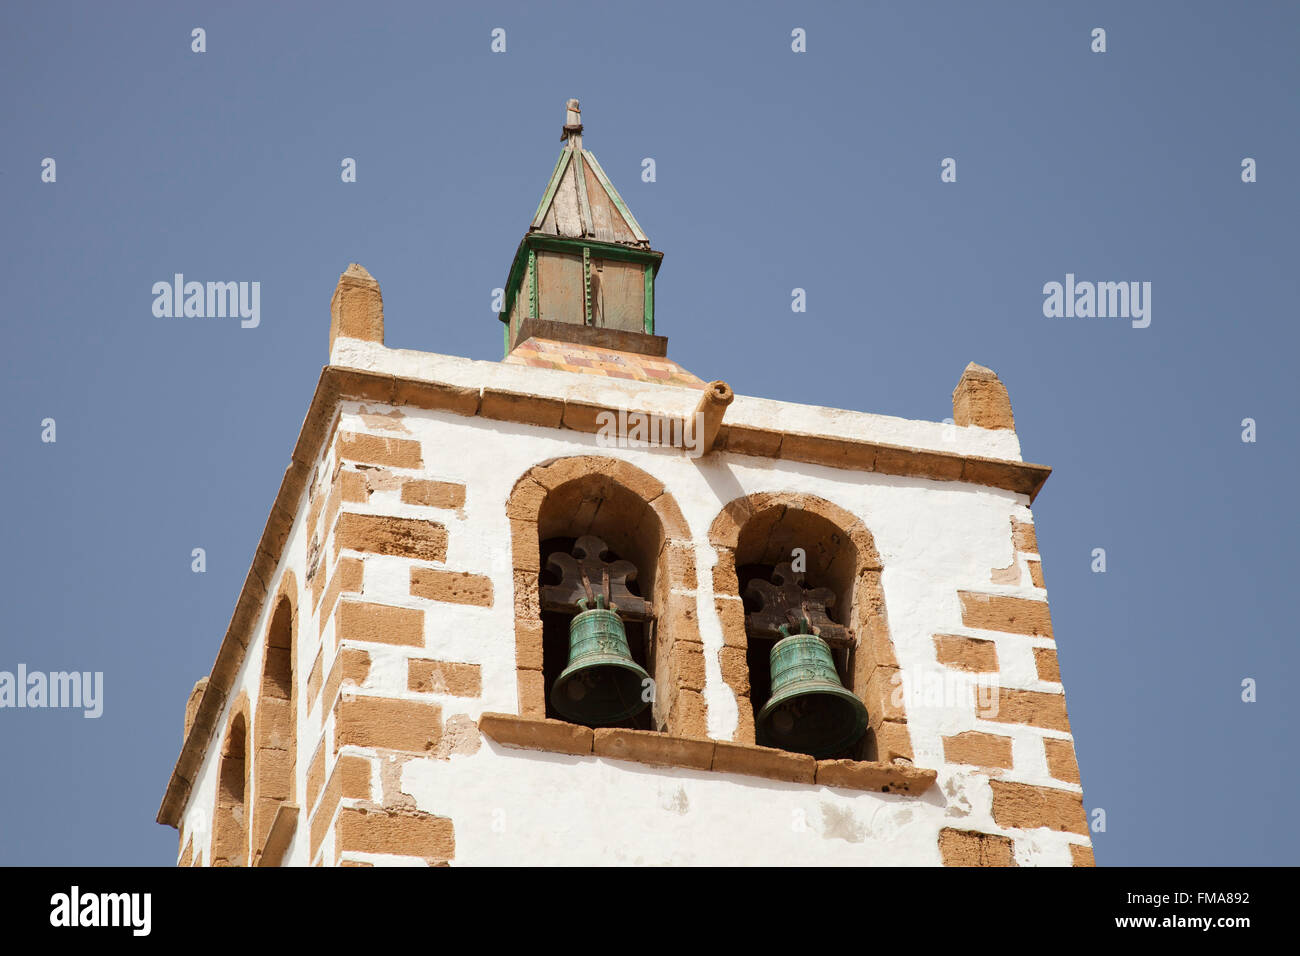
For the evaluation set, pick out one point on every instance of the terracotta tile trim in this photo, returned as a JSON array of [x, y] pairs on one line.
[[649, 747], [337, 383]]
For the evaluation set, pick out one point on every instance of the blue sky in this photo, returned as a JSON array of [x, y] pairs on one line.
[[775, 170]]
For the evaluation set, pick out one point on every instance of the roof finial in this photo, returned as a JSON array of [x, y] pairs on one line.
[[572, 124]]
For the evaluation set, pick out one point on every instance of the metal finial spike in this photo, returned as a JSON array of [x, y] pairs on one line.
[[572, 124]]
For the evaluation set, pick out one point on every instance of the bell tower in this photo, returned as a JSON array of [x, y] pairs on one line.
[[582, 606], [585, 271]]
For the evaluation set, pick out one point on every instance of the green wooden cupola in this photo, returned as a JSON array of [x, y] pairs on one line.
[[585, 271]]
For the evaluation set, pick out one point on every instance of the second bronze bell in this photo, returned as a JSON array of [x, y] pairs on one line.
[[810, 710]]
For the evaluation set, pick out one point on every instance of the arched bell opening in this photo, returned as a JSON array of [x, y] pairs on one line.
[[599, 545], [797, 572], [557, 622], [275, 721], [230, 822]]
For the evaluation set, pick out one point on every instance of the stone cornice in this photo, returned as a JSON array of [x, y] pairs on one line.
[[580, 415]]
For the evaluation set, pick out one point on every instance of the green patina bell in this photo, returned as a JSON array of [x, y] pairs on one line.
[[601, 685], [809, 711]]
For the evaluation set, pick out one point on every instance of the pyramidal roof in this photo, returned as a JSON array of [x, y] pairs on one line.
[[580, 202]]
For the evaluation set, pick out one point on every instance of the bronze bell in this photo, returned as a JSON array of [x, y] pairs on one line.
[[602, 684], [810, 711]]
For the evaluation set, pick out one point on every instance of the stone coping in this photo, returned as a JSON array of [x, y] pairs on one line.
[[673, 400], [649, 747], [338, 383]]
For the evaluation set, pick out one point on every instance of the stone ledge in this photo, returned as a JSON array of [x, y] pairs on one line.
[[647, 746], [763, 762], [867, 775], [533, 734], [280, 836], [720, 756]]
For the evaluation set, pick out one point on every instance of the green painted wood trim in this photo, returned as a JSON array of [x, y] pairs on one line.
[[602, 250], [584, 205], [649, 300], [514, 281], [551, 187], [615, 198], [586, 281], [532, 283], [506, 330]]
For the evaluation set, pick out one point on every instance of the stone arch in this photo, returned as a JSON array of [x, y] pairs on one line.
[[275, 719], [763, 528], [230, 819], [639, 519]]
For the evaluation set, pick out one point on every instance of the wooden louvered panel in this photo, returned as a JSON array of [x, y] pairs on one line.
[[618, 289], [560, 287]]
